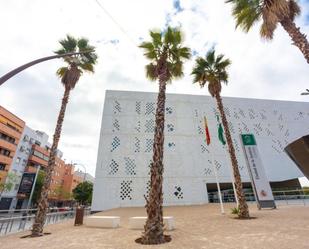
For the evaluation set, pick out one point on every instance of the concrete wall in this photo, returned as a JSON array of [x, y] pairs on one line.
[[125, 148]]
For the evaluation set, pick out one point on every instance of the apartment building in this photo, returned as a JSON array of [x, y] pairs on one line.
[[24, 150], [71, 179], [11, 129], [85, 176]]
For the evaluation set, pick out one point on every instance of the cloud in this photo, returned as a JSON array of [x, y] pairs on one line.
[[259, 69], [177, 7]]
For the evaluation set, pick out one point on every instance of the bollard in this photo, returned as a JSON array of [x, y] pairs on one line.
[[79, 216]]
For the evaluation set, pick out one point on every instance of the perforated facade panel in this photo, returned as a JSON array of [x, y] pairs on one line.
[[126, 139]]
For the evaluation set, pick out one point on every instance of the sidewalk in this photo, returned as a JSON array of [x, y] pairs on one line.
[[196, 227]]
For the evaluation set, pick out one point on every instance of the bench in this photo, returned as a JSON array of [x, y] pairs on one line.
[[138, 222], [103, 221]]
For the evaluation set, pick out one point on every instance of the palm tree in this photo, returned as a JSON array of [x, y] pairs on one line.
[[212, 70], [272, 12], [166, 53], [76, 65]]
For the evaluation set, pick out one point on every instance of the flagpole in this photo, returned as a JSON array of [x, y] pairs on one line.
[[217, 181], [233, 181], [221, 138], [213, 164]]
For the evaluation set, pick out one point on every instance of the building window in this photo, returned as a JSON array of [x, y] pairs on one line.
[[26, 138], [37, 143], [7, 138], [2, 166], [13, 127], [18, 160], [5, 152]]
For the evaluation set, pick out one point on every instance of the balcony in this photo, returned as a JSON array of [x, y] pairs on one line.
[[5, 159], [36, 160], [7, 145], [40, 149], [9, 131]]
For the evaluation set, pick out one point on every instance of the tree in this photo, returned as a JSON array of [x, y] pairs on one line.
[[62, 194], [272, 12], [166, 53], [212, 70], [70, 74], [8, 183], [83, 193]]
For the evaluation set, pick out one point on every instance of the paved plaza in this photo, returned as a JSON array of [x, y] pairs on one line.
[[196, 227]]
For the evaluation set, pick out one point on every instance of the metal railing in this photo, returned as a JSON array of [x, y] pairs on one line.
[[16, 223], [282, 197]]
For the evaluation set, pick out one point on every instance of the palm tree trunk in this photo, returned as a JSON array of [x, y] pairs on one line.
[[37, 229], [298, 38], [153, 233], [243, 207]]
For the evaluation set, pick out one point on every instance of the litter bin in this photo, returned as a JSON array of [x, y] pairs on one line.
[[79, 216]]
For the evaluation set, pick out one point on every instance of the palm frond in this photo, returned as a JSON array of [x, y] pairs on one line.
[[151, 71], [60, 51], [223, 64], [294, 9], [166, 49], [169, 36], [156, 39], [69, 44], [176, 69], [246, 12], [184, 52], [211, 70], [77, 64], [146, 45], [280, 7], [61, 71], [87, 67], [210, 57], [82, 44]]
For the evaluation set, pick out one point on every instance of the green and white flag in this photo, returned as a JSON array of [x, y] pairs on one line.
[[220, 132]]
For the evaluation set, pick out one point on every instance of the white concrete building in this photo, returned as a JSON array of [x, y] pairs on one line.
[[126, 139]]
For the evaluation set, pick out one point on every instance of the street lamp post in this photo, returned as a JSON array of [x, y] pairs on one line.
[[17, 70], [305, 93], [83, 167]]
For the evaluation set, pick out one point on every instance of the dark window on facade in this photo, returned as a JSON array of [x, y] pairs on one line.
[[2, 166], [5, 152], [12, 127], [7, 138]]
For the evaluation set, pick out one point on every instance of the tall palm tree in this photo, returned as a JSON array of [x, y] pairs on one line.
[[166, 53], [272, 12], [70, 74], [212, 70]]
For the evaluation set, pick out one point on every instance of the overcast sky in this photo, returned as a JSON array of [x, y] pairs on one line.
[[31, 29]]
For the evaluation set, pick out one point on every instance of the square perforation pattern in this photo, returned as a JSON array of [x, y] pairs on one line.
[[125, 190], [114, 167], [115, 144], [130, 166]]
